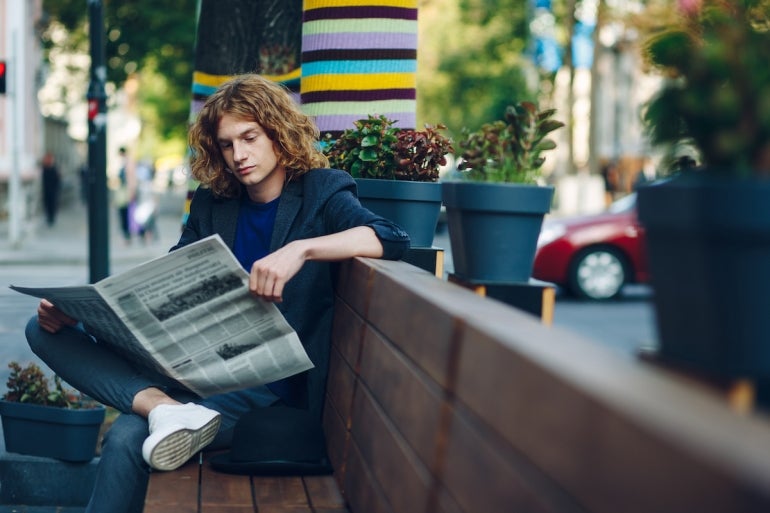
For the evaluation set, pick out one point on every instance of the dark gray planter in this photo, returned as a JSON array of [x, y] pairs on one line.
[[414, 206], [493, 228], [61, 433], [708, 244]]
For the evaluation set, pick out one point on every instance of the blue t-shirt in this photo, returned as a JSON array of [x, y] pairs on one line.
[[252, 242], [254, 231]]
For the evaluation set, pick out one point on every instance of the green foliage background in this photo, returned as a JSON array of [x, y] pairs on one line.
[[471, 60], [147, 36]]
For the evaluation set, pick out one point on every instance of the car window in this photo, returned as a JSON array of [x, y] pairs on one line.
[[624, 204]]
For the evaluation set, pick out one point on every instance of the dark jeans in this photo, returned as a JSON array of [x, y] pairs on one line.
[[95, 370]]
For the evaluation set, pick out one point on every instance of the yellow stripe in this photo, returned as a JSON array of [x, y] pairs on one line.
[[316, 4], [202, 78], [358, 82]]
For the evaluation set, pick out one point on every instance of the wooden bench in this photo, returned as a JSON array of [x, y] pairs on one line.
[[440, 400]]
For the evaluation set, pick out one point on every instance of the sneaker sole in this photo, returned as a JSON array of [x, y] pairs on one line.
[[176, 448]]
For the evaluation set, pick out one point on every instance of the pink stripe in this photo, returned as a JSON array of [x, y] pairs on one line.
[[359, 41], [343, 122]]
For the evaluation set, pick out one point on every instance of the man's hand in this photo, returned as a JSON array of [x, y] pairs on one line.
[[51, 318], [269, 274]]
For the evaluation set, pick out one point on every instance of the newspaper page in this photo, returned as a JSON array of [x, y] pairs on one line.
[[190, 315]]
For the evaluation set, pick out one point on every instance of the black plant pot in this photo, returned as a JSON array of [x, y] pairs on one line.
[[708, 244], [414, 206], [493, 228], [61, 433]]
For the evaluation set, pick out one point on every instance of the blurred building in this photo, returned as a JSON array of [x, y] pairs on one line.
[[25, 134]]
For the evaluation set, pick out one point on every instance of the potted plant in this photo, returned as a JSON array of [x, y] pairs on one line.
[[42, 421], [708, 229], [495, 208], [396, 170]]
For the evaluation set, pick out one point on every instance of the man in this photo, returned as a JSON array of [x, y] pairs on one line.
[[266, 192]]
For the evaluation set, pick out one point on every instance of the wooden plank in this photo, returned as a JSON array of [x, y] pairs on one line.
[[354, 285], [651, 444], [483, 473], [403, 479], [407, 312], [340, 385], [337, 440], [286, 491], [347, 332], [174, 491], [218, 489], [407, 396], [324, 494], [363, 492]]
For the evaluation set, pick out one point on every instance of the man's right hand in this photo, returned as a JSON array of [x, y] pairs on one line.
[[51, 318]]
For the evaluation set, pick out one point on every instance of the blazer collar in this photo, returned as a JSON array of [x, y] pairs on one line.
[[227, 220], [288, 209]]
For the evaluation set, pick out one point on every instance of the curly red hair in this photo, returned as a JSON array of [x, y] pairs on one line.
[[253, 98]]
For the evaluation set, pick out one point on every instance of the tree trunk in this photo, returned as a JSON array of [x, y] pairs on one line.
[[242, 36]]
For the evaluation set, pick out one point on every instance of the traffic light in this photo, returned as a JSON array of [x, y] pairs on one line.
[[3, 73]]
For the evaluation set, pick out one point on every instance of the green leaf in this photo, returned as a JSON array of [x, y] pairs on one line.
[[369, 141], [368, 155]]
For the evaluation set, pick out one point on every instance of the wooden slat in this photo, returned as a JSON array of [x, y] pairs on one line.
[[407, 396], [340, 382], [406, 312], [482, 473], [404, 480], [353, 284], [219, 490], [279, 491], [337, 440], [324, 494], [363, 492], [347, 330], [628, 439], [174, 491]]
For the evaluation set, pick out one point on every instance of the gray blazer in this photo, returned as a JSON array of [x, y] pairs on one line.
[[321, 202]]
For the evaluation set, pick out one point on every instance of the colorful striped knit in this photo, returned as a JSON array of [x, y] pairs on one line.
[[359, 58]]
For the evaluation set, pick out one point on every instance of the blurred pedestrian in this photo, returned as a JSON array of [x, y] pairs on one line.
[[145, 211], [51, 187], [124, 194], [611, 178]]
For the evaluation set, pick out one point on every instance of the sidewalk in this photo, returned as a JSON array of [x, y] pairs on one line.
[[57, 256], [67, 242]]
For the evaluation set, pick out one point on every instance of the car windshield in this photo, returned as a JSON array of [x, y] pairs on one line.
[[624, 204]]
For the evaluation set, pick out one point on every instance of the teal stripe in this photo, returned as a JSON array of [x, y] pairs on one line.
[[203, 90], [358, 67]]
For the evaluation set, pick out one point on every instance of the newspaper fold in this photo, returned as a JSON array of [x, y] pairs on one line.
[[190, 315]]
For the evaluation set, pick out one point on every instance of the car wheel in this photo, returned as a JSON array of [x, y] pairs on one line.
[[598, 273]]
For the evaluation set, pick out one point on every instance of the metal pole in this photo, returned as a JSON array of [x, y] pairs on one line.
[[98, 213], [18, 132]]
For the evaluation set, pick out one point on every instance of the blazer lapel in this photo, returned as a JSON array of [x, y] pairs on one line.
[[225, 220], [288, 208]]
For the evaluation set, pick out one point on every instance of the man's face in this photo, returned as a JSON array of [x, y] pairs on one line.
[[251, 157]]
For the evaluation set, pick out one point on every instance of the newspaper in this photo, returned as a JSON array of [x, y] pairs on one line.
[[190, 315]]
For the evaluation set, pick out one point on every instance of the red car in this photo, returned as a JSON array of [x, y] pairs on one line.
[[594, 256]]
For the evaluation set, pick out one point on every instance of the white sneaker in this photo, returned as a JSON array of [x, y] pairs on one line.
[[177, 432]]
